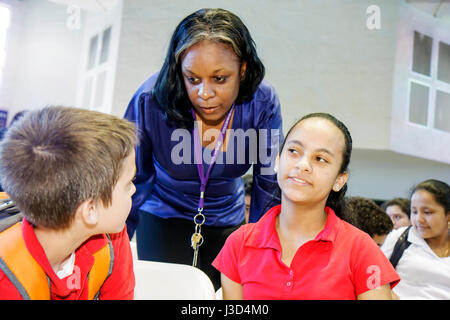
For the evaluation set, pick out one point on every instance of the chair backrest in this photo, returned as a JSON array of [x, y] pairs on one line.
[[170, 281], [219, 294]]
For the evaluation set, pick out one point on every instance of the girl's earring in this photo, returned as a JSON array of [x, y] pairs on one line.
[[336, 188]]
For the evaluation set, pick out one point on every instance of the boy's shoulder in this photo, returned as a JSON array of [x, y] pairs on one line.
[[98, 241]]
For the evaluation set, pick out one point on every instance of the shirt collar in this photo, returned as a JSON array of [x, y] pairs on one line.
[[264, 234], [415, 238], [34, 246], [83, 253], [37, 252]]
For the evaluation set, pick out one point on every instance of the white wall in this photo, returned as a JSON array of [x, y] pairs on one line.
[[42, 57], [319, 55], [385, 174]]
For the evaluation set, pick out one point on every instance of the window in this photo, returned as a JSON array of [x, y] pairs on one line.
[[105, 45], [418, 106], [444, 62], [92, 52], [96, 72], [422, 54], [429, 83], [4, 24], [442, 113]]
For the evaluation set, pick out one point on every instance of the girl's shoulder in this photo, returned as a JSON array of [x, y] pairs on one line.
[[240, 235], [348, 233], [258, 234]]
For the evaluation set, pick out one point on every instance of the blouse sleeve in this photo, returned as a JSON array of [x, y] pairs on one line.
[[265, 194], [370, 267], [138, 112]]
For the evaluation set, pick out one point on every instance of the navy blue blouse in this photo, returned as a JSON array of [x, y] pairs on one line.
[[167, 180]]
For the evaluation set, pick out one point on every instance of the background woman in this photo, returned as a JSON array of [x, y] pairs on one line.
[[399, 210], [425, 265]]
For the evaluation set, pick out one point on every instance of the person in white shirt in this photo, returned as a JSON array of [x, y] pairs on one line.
[[424, 267], [399, 210]]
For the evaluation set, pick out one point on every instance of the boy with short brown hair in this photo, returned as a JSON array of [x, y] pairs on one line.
[[70, 171]]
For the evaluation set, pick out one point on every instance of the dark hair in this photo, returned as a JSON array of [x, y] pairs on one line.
[[335, 200], [439, 189], [217, 25], [53, 159], [367, 216], [403, 203]]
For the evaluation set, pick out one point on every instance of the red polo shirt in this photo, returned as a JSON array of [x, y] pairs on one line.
[[119, 285], [340, 263]]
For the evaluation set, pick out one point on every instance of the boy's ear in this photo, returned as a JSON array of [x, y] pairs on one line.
[[88, 212], [341, 180]]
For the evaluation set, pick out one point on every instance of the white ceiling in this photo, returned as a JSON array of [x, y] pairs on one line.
[[437, 8], [89, 5]]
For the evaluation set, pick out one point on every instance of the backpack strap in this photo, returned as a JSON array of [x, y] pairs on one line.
[[101, 270], [20, 267], [400, 246], [30, 279]]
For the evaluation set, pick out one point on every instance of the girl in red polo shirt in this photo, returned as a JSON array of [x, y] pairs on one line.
[[302, 249]]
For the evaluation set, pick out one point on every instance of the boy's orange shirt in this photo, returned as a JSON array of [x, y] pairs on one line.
[[119, 285]]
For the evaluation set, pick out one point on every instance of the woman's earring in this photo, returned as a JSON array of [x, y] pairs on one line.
[[336, 188]]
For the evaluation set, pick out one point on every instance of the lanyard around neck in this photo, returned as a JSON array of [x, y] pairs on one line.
[[198, 155]]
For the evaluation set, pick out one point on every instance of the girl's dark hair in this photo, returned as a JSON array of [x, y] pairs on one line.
[[366, 215], [403, 203], [335, 199], [217, 25], [439, 189]]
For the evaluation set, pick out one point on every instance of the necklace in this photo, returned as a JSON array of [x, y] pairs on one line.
[[446, 251]]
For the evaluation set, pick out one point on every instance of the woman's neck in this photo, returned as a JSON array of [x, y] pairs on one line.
[[209, 138], [440, 244]]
